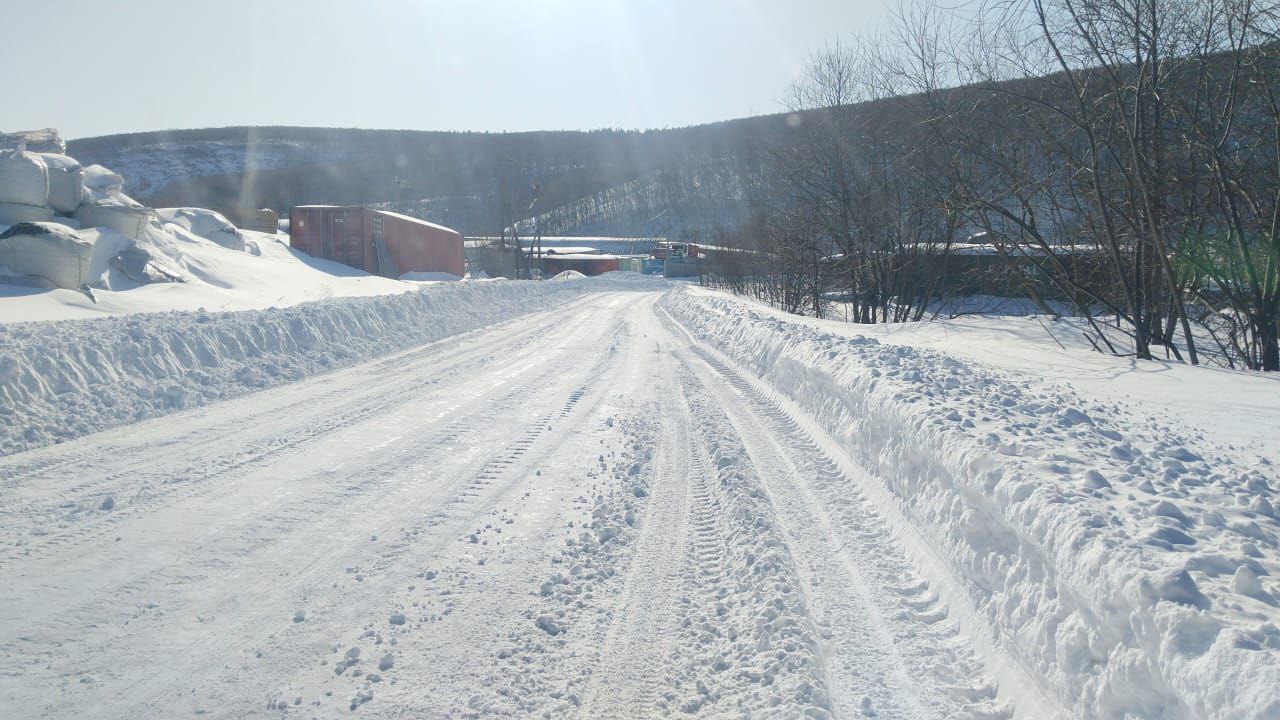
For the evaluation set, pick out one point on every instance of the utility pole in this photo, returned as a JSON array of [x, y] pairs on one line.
[[402, 190]]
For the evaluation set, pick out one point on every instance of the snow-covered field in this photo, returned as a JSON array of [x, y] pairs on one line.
[[602, 498]]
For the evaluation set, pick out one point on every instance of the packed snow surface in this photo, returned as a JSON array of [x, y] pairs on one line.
[[606, 498], [60, 380]]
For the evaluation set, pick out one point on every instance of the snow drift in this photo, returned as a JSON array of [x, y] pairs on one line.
[[60, 380], [1113, 558], [207, 224]]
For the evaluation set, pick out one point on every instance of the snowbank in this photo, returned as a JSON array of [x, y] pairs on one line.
[[1114, 557], [61, 380]]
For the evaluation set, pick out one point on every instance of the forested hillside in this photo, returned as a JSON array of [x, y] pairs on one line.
[[599, 181]]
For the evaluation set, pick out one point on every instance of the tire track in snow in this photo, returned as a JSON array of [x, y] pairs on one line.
[[30, 507], [891, 650], [749, 645], [330, 494], [721, 630], [154, 487], [642, 636], [530, 672], [913, 608], [41, 463]]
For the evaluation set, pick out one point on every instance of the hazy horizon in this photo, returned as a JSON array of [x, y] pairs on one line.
[[398, 65]]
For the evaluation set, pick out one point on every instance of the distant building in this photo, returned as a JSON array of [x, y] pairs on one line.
[[376, 241], [586, 264]]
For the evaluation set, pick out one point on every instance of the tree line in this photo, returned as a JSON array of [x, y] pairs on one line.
[[1120, 158]]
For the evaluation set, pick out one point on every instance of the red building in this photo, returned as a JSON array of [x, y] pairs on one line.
[[376, 241]]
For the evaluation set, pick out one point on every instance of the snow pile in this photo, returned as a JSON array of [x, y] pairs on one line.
[[206, 224], [60, 380], [1130, 566], [567, 275]]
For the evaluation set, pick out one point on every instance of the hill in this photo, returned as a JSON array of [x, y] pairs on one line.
[[615, 181]]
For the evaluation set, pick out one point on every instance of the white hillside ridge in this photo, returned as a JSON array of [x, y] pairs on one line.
[[1101, 553], [61, 380]]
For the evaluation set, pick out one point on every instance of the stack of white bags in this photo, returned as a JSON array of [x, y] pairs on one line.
[[47, 196]]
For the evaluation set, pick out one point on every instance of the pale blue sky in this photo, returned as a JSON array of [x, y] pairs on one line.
[[98, 67]]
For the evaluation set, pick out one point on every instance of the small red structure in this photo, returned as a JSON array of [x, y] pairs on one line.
[[376, 241], [553, 265]]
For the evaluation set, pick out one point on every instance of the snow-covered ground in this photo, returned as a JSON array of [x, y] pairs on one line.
[[607, 498]]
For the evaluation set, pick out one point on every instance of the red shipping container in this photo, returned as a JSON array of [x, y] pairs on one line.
[[376, 241], [553, 265]]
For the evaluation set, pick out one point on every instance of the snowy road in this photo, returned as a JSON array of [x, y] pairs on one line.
[[587, 512]]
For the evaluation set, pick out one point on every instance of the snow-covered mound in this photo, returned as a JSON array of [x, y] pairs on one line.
[[206, 224], [567, 275], [60, 380], [1126, 563]]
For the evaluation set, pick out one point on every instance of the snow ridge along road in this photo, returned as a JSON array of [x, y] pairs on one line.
[[1093, 557], [629, 505], [60, 380]]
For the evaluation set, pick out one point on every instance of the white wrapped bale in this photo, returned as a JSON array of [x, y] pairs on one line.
[[66, 182], [102, 183], [24, 179], [48, 250], [132, 222], [41, 141], [13, 213]]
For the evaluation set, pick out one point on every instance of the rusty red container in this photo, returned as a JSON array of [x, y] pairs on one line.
[[349, 233]]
